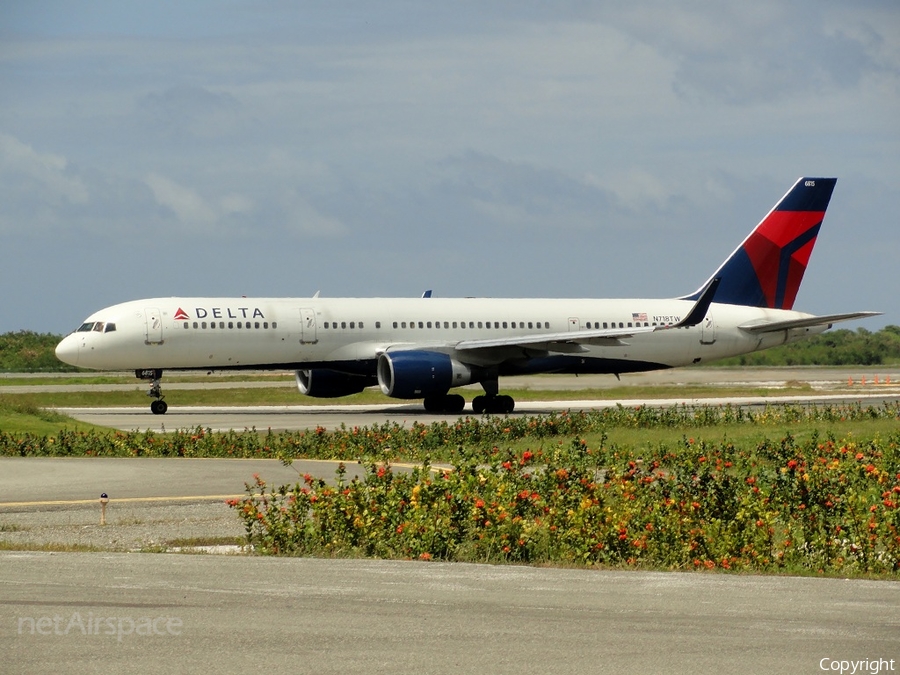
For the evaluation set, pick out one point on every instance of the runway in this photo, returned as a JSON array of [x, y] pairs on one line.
[[821, 385], [302, 417]]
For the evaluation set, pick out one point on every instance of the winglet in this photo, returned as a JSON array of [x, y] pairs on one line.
[[698, 311]]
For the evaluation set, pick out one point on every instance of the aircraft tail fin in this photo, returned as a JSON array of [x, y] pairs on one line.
[[766, 269]]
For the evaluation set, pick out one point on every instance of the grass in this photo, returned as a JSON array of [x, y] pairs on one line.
[[50, 547], [741, 435], [26, 415]]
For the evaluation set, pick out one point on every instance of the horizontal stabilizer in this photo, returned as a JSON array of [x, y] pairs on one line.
[[789, 324]]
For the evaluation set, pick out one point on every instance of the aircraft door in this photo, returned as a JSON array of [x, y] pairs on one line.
[[154, 334], [308, 327], [707, 330], [574, 323]]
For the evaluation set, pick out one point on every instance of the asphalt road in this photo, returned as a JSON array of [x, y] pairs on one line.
[[54, 481], [204, 613]]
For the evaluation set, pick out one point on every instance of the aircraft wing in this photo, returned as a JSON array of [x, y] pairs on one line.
[[825, 320], [570, 341]]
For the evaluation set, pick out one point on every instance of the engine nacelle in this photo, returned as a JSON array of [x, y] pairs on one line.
[[417, 374], [324, 383]]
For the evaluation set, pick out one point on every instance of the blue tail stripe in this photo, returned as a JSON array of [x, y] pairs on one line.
[[784, 267]]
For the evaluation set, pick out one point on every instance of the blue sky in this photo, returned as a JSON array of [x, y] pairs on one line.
[[507, 149]]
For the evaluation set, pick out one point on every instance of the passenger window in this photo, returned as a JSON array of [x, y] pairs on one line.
[[274, 325], [504, 324], [403, 325], [203, 325], [352, 324], [266, 324], [256, 325], [479, 324], [195, 325], [186, 325], [420, 324], [429, 324], [446, 324], [360, 325], [343, 324]]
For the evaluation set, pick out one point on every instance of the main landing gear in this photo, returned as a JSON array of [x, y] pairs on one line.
[[158, 407], [492, 403], [446, 403]]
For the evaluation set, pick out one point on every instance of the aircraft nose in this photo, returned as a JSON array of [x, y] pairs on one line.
[[67, 351]]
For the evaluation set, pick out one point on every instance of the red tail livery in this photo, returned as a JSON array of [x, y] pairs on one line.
[[766, 269]]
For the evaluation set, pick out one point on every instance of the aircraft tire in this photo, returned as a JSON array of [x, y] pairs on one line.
[[159, 407], [448, 403]]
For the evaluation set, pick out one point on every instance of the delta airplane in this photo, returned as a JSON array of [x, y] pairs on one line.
[[421, 348]]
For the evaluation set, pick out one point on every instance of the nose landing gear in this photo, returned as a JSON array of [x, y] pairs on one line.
[[157, 407]]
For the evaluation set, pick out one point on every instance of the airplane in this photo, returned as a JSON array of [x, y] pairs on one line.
[[421, 348]]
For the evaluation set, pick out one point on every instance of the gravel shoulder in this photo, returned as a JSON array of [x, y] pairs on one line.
[[129, 527]]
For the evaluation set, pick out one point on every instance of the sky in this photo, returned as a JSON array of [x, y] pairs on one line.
[[503, 149]]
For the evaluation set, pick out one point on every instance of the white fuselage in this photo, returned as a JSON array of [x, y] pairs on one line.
[[298, 333]]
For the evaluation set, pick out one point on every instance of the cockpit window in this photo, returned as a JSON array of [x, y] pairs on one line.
[[98, 327], [85, 328], [110, 327]]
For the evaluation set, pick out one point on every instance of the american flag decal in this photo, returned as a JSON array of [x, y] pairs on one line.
[[639, 316]]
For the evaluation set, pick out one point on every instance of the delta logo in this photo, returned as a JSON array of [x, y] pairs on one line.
[[221, 313]]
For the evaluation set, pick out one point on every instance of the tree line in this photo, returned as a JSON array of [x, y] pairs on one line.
[[27, 351]]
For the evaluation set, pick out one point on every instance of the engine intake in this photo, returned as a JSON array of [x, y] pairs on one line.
[[325, 383], [417, 374]]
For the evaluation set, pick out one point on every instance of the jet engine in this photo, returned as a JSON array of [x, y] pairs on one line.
[[325, 383], [420, 374]]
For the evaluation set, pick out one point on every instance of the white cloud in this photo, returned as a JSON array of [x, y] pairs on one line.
[[190, 208], [20, 163]]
